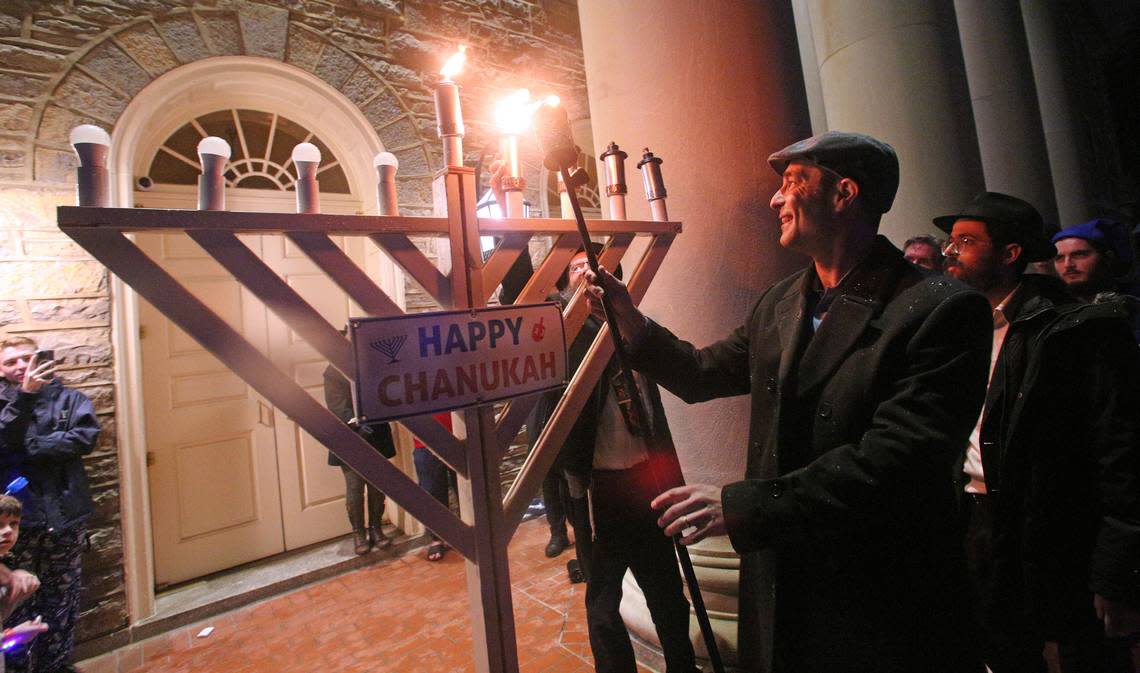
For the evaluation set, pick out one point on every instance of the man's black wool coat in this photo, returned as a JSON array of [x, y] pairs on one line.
[[846, 521]]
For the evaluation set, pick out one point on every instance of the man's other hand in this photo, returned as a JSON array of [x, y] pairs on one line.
[[630, 320], [1119, 619], [498, 169], [695, 508]]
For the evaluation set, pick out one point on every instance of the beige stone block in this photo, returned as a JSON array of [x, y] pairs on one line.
[[414, 191], [61, 248], [402, 133], [15, 116], [30, 209], [56, 124], [27, 279], [112, 66], [383, 109], [361, 85], [19, 57], [13, 158], [86, 310], [26, 86], [335, 66], [304, 48], [182, 36], [414, 162], [223, 32], [264, 28], [55, 165], [145, 45], [103, 397], [10, 313], [80, 92]]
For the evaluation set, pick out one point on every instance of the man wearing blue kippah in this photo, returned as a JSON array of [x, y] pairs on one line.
[[1092, 258]]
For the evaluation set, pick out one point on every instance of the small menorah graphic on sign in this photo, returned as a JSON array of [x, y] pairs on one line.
[[390, 346]]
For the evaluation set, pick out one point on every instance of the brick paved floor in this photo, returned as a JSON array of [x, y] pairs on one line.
[[401, 615]]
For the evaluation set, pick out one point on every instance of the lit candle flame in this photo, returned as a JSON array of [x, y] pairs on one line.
[[512, 114], [454, 64]]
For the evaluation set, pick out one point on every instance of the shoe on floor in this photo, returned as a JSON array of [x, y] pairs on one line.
[[378, 539], [574, 570], [360, 543], [557, 544]]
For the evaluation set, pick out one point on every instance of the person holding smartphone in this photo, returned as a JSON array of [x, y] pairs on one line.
[[45, 430]]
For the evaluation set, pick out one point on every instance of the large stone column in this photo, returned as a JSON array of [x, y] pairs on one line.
[[711, 88], [1047, 56], [1004, 100], [893, 69]]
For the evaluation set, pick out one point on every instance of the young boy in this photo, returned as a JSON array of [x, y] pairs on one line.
[[15, 585]]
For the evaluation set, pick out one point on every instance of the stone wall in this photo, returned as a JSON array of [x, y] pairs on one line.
[[70, 62]]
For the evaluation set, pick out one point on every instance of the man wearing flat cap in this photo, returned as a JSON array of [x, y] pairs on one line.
[[1049, 478], [865, 376]]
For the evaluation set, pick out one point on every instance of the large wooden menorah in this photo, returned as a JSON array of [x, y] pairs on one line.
[[488, 519]]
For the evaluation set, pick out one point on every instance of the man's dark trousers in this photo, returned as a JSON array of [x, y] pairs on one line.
[[627, 536]]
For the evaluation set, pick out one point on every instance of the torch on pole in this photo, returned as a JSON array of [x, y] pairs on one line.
[[552, 126]]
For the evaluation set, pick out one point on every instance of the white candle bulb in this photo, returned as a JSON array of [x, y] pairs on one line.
[[88, 133], [307, 152], [385, 159], [214, 146]]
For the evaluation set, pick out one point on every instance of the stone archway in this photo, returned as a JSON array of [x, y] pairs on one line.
[[110, 71]]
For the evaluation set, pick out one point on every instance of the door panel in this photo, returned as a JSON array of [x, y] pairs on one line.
[[312, 492], [213, 473]]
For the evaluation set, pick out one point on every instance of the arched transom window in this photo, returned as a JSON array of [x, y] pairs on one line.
[[261, 148]]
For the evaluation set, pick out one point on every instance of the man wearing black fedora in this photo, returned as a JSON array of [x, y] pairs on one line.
[[1049, 476]]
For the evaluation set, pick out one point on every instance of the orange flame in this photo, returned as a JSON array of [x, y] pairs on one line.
[[512, 113], [454, 64]]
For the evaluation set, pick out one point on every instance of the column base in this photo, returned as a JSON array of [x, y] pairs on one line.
[[718, 571]]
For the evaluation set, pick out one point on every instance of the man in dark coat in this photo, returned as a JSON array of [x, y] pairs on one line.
[[45, 430], [612, 475], [865, 376], [1051, 474]]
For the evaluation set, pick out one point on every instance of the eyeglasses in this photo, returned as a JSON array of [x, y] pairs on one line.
[[955, 246]]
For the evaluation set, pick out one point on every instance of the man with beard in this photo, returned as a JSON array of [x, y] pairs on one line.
[[1091, 259], [865, 374], [1049, 477]]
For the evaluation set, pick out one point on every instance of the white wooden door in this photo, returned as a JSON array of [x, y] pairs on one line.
[[232, 479], [215, 498]]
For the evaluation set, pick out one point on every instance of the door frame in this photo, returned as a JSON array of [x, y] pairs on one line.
[[158, 110]]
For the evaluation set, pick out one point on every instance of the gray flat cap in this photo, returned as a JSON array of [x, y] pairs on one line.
[[870, 162]]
